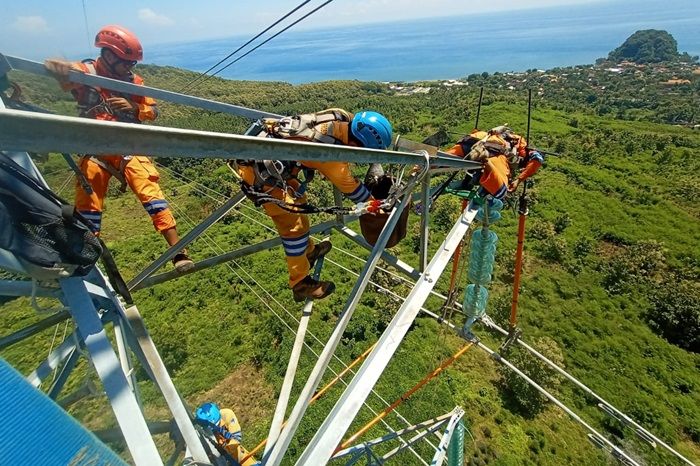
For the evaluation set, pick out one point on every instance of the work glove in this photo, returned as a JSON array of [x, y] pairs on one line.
[[513, 185], [60, 69], [120, 104], [503, 129]]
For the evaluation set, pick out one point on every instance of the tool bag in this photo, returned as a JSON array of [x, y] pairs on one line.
[[372, 225], [40, 229]]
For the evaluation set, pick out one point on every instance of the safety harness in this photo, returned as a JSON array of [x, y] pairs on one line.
[[270, 174], [312, 127], [93, 102]]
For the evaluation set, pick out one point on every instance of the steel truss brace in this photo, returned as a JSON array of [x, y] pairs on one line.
[[106, 363], [278, 450], [441, 452], [435, 424], [330, 433], [229, 256], [193, 234], [29, 66], [286, 390]]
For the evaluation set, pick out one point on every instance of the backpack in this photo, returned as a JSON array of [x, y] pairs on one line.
[[40, 229]]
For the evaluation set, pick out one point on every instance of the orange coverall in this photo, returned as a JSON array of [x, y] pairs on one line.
[[138, 171], [233, 445], [496, 174], [294, 227]]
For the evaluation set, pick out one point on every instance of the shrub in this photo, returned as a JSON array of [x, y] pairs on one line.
[[519, 394], [561, 223], [675, 313], [554, 250], [637, 264]]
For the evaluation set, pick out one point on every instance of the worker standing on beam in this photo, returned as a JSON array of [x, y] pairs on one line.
[[278, 181], [120, 50]]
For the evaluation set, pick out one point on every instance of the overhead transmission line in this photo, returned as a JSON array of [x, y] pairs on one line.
[[206, 77], [87, 28], [242, 46]]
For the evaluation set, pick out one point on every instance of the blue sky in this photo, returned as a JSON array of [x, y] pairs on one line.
[[38, 29]]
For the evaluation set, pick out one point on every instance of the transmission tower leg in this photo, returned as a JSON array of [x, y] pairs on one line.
[[106, 363]]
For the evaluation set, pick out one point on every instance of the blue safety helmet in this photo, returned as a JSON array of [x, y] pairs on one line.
[[209, 412], [372, 129]]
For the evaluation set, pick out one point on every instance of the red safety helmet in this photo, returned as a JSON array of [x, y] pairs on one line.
[[121, 41]]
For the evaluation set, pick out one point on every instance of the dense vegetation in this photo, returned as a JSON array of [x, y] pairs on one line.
[[610, 290], [648, 46]]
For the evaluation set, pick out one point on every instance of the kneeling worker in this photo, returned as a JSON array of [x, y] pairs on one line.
[[226, 429]]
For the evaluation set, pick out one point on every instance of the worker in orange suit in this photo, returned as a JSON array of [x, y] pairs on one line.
[[501, 151], [120, 51], [222, 422], [278, 181]]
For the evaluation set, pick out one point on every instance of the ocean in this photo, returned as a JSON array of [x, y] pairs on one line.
[[445, 47]]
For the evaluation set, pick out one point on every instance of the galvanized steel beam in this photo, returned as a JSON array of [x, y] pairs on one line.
[[226, 257], [277, 452], [33, 329], [446, 437], [330, 433], [436, 422], [106, 363], [187, 239], [39, 132], [56, 357], [77, 77]]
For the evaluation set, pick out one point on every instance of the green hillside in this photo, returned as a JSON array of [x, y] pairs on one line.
[[611, 284]]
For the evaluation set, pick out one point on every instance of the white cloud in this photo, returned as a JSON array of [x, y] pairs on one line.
[[149, 16], [31, 24]]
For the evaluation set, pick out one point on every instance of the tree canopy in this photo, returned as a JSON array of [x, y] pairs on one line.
[[647, 46]]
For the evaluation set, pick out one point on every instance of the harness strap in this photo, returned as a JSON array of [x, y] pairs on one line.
[[259, 198], [118, 173]]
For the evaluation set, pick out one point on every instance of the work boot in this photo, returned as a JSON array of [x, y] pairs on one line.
[[309, 288], [319, 250], [182, 262]]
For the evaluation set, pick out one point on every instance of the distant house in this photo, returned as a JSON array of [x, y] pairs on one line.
[[676, 82]]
